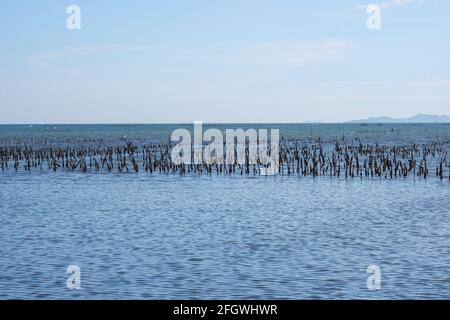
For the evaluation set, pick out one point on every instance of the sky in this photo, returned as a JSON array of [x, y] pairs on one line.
[[222, 61]]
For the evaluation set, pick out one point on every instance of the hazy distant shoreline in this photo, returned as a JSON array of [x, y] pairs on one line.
[[417, 119]]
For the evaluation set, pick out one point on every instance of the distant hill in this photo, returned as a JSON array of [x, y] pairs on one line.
[[419, 118]]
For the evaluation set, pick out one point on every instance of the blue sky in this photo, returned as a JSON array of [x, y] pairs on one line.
[[222, 61]]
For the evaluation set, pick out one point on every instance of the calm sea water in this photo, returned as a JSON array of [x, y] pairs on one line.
[[200, 237], [114, 133]]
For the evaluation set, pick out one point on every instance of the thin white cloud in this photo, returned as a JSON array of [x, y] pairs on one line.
[[270, 55], [276, 54], [390, 3], [294, 54], [438, 82], [401, 2], [75, 51]]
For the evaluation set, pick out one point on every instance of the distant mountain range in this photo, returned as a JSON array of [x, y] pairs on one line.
[[419, 118]]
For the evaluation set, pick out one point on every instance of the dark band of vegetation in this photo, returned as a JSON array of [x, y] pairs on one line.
[[317, 158]]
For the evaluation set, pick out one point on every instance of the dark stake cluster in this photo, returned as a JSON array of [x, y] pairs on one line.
[[314, 158]]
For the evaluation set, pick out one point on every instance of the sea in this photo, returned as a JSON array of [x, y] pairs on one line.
[[170, 236]]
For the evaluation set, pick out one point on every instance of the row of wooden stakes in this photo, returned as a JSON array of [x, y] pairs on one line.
[[314, 158]]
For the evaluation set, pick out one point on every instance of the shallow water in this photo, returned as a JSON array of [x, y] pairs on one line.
[[222, 237], [114, 133], [167, 237]]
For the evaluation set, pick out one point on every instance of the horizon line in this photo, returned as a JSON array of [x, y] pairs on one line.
[[369, 120], [350, 122]]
